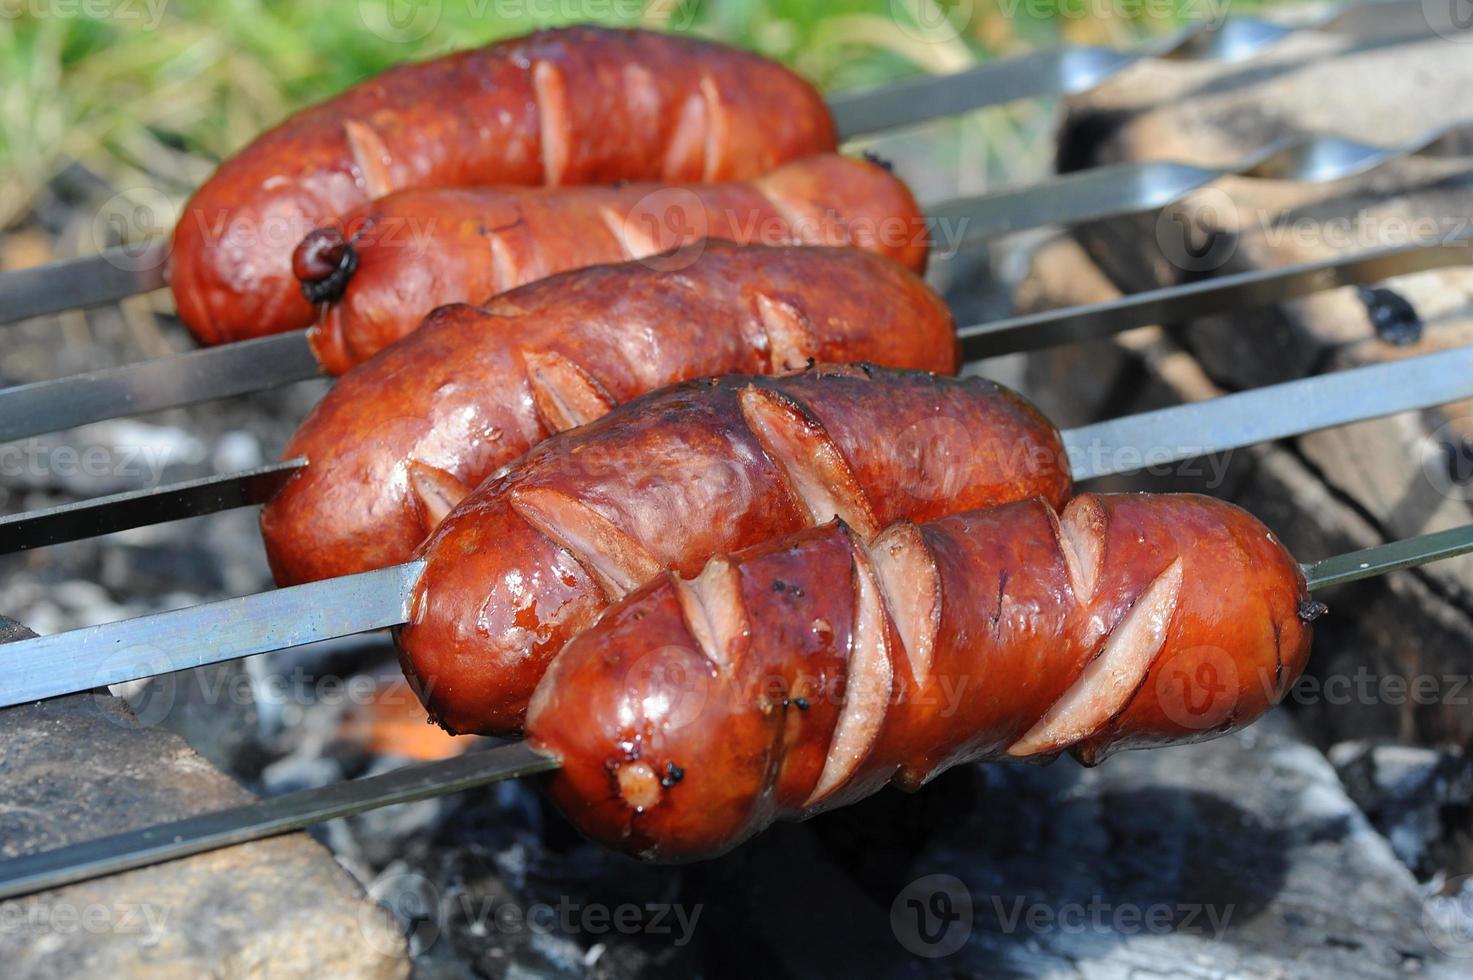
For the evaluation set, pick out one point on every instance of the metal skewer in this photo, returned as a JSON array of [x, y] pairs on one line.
[[265, 818], [233, 369], [418, 781], [1070, 71], [116, 273], [112, 653], [1139, 186], [139, 508]]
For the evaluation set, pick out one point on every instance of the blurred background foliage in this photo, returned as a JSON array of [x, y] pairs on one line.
[[155, 92]]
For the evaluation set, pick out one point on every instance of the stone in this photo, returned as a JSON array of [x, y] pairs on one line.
[[81, 767]]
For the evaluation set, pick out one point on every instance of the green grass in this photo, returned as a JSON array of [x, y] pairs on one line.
[[156, 91]]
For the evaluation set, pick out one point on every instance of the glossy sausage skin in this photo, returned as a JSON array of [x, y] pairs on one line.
[[405, 436], [569, 106], [419, 249], [808, 672], [530, 559]]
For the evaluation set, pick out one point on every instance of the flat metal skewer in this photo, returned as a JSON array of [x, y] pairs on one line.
[[1139, 186], [140, 508], [417, 781], [89, 280], [233, 369], [1177, 304], [265, 818], [1102, 449], [145, 646], [1071, 71], [1390, 557], [163, 382]]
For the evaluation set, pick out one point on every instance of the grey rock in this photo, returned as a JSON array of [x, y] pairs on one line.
[[81, 767]]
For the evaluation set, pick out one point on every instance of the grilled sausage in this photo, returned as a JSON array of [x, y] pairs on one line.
[[405, 436], [806, 673], [530, 559], [569, 106], [410, 252]]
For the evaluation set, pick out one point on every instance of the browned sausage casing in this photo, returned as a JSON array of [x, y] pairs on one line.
[[405, 436], [530, 559], [569, 106], [420, 249], [805, 673]]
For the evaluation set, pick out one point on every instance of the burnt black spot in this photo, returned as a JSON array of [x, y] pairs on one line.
[[1395, 319], [879, 161], [323, 263], [1312, 609], [673, 775], [778, 585]]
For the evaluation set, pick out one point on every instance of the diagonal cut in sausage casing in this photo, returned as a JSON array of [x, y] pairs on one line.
[[532, 557], [419, 249], [576, 105], [807, 672], [402, 438]]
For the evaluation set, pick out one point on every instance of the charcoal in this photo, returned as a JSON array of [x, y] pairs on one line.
[[1416, 795]]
